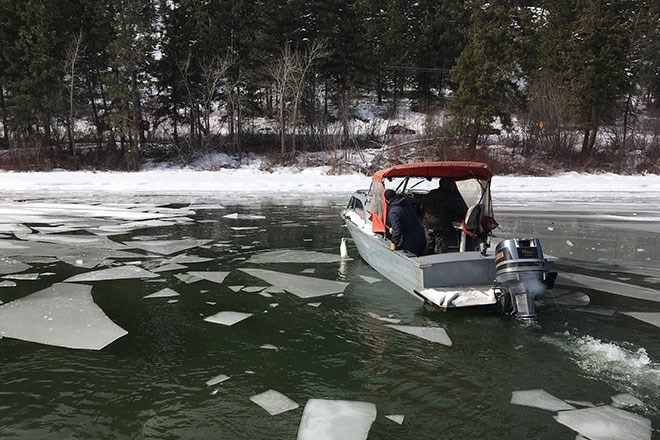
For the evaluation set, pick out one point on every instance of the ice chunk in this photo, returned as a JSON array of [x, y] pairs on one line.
[[273, 289], [114, 273], [166, 247], [227, 318], [370, 280], [216, 277], [625, 400], [172, 301], [313, 304], [539, 399], [652, 318], [274, 402], [187, 278], [253, 289], [269, 347], [217, 379], [293, 256], [596, 311], [169, 267], [237, 216], [336, 419], [189, 259], [235, 288], [163, 293], [396, 418], [244, 228], [12, 228], [63, 315], [380, 318], [301, 286], [433, 334], [606, 422], [615, 287], [310, 271], [9, 265], [7, 284], [579, 403], [22, 277]]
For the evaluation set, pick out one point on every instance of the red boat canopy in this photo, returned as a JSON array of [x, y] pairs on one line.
[[454, 170], [451, 169]]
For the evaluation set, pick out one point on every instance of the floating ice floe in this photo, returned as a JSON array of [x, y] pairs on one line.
[[113, 273], [62, 315], [293, 256], [243, 228], [539, 399], [274, 402], [217, 379], [369, 279], [309, 271], [253, 289], [166, 247], [626, 400], [571, 299], [581, 403], [596, 311], [652, 318], [301, 286], [235, 288], [433, 334], [22, 276], [313, 304], [227, 318], [237, 216], [169, 267], [12, 228], [606, 422], [189, 259], [614, 287], [396, 418], [172, 301], [163, 293], [7, 284], [9, 265], [187, 278], [381, 318], [336, 419], [215, 277], [269, 347]]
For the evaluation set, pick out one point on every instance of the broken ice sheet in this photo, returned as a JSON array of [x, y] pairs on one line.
[[189, 259], [237, 216], [294, 256], [169, 267], [396, 418], [62, 315], [626, 400], [301, 286], [113, 273], [253, 289], [163, 293], [433, 334], [274, 402], [216, 277], [652, 318], [7, 284], [187, 278], [227, 318], [269, 347], [9, 265], [217, 379], [614, 287], [166, 247], [606, 422], [235, 288], [539, 399], [22, 277], [336, 419]]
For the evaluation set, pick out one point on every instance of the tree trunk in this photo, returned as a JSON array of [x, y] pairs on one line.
[[5, 125], [476, 131]]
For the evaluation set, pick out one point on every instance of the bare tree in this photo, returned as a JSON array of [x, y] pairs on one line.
[[213, 73], [289, 73], [73, 53]]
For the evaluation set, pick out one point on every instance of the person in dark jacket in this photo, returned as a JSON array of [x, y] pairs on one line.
[[442, 206], [404, 224]]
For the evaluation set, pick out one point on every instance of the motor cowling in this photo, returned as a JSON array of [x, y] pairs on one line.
[[521, 275]]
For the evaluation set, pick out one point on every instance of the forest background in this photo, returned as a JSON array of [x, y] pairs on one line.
[[528, 86]]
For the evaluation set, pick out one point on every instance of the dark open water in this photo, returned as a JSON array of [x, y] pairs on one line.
[[150, 384]]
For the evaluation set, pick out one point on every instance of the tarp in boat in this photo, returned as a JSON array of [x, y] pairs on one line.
[[456, 170]]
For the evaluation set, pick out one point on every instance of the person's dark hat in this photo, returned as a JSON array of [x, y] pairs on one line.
[[389, 194]]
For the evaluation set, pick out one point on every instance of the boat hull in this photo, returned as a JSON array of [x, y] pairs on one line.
[[421, 275]]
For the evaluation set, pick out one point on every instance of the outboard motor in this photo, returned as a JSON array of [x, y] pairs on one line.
[[521, 275]]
